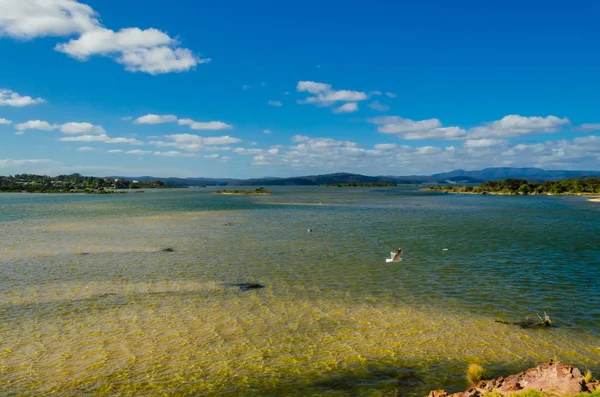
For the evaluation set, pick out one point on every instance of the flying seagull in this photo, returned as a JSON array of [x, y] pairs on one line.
[[395, 256]]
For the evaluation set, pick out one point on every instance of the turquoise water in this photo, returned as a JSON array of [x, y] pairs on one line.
[[333, 318]]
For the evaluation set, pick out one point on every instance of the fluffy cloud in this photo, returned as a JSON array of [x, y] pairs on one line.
[[81, 128], [412, 130], [349, 107], [324, 95], [579, 153], [514, 125], [209, 125], [11, 98], [196, 143], [85, 149], [139, 50], [483, 143], [275, 103], [155, 119], [67, 128], [36, 125], [4, 121], [391, 94], [327, 155]]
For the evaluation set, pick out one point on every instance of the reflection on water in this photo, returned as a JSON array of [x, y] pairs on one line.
[[333, 319]]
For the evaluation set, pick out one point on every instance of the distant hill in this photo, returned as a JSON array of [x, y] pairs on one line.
[[457, 176]]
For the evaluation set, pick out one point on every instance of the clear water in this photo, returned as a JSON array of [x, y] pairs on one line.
[[333, 319]]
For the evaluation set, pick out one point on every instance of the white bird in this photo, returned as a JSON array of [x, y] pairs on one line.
[[395, 256], [444, 249]]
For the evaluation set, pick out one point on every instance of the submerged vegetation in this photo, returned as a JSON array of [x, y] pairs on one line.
[[523, 187], [73, 183], [475, 373], [260, 190]]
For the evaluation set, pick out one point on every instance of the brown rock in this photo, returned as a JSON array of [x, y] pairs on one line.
[[437, 393], [552, 377], [593, 386]]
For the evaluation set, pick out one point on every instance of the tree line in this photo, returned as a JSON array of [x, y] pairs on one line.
[[523, 187], [31, 183]]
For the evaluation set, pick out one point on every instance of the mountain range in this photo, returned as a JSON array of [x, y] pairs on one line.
[[457, 176]]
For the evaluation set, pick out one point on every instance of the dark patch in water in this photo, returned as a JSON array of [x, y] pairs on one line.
[[246, 286], [527, 323], [169, 249]]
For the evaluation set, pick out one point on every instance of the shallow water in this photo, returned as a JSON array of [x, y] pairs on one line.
[[334, 319]]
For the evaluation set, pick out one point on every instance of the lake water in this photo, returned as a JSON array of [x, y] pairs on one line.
[[334, 319]]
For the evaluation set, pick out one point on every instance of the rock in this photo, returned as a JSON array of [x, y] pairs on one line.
[[437, 393], [168, 249], [593, 386], [552, 377]]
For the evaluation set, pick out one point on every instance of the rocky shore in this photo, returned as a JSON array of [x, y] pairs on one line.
[[554, 378]]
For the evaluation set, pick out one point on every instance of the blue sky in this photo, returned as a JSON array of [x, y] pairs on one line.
[[249, 89]]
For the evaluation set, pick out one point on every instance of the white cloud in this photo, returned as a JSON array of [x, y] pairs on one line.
[[100, 138], [85, 149], [173, 153], [10, 162], [28, 19], [267, 132], [81, 128], [85, 138], [196, 143], [483, 143], [130, 141], [11, 98], [241, 150], [139, 152], [4, 121], [36, 125], [324, 95], [385, 146], [275, 103], [115, 151], [246, 87], [148, 50], [391, 94], [211, 156], [376, 105], [155, 119], [312, 87], [412, 130], [514, 125], [209, 125], [588, 127], [346, 108]]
